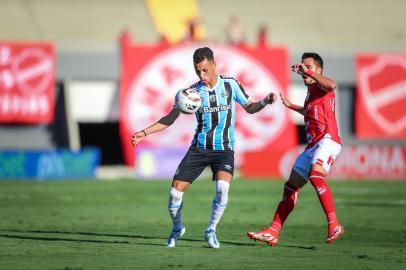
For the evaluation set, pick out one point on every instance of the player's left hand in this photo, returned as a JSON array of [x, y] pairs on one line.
[[300, 69]]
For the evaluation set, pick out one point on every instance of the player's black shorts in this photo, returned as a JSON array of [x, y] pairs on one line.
[[197, 159]]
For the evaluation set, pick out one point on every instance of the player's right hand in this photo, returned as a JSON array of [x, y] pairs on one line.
[[137, 138], [299, 69]]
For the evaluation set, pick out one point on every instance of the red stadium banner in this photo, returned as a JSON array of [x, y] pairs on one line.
[[151, 76], [355, 162], [381, 96], [27, 81]]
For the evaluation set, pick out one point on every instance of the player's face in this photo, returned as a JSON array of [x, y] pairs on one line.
[[206, 71], [310, 64]]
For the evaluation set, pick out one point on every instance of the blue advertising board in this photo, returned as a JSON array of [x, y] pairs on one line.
[[50, 165], [158, 162]]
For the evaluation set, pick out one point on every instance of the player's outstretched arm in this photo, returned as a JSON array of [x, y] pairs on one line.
[[291, 106], [162, 124], [254, 107], [326, 83]]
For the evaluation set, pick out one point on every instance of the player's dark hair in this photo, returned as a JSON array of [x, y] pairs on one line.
[[317, 58], [201, 54]]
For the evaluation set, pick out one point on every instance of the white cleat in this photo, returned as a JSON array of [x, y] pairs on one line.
[[211, 238], [174, 236]]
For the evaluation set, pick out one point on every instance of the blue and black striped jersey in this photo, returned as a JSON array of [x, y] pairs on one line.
[[216, 117]]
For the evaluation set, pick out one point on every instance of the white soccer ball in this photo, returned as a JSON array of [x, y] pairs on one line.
[[188, 100]]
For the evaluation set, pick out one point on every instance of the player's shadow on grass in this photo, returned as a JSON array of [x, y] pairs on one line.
[[300, 247], [82, 233], [62, 239], [6, 233]]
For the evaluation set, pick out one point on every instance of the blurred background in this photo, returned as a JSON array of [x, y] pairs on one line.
[[76, 79]]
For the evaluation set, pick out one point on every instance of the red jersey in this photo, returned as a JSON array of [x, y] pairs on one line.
[[320, 119]]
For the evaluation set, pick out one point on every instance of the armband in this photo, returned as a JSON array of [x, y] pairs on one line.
[[145, 134], [309, 72]]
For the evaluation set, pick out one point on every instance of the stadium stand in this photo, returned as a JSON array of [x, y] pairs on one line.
[[336, 27], [86, 33]]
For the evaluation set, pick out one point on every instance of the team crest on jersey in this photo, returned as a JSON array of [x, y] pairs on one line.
[[225, 93], [213, 98]]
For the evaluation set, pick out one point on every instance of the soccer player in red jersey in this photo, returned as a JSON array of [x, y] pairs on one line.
[[323, 147]]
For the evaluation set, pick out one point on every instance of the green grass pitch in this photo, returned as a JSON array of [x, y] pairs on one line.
[[124, 224]]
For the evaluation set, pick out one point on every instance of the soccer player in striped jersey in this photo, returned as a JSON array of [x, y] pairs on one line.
[[213, 142], [323, 147]]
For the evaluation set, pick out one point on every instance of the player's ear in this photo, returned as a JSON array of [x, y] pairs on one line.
[[319, 70]]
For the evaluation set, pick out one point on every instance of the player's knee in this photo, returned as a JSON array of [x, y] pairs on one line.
[[296, 179], [317, 178], [222, 188], [175, 197]]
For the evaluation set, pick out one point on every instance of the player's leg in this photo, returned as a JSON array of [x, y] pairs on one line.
[[297, 179], [175, 203], [289, 199], [317, 179], [219, 204], [220, 200], [270, 234], [222, 165], [188, 170], [322, 161]]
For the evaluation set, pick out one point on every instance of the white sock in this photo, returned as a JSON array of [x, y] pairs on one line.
[[175, 207], [219, 203]]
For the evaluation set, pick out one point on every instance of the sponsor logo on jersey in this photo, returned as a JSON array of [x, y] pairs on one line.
[[215, 109]]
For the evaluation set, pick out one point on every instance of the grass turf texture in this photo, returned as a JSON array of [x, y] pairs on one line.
[[124, 224]]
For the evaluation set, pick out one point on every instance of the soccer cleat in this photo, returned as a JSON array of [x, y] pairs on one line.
[[334, 232], [211, 238], [267, 235], [174, 236]]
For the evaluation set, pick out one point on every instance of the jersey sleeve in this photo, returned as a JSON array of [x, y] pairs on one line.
[[239, 94]]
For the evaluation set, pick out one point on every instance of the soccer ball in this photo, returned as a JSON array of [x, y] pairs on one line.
[[188, 100]]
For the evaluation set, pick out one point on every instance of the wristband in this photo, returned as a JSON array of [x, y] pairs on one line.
[[309, 72], [263, 102], [145, 134], [294, 107]]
